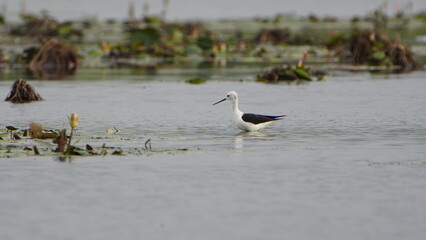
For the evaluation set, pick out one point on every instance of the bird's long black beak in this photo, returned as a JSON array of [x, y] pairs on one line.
[[219, 101]]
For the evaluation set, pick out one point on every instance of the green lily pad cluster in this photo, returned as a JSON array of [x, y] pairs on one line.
[[290, 73], [196, 80], [45, 27], [166, 41]]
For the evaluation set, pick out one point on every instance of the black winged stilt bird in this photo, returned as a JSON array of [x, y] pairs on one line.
[[248, 122]]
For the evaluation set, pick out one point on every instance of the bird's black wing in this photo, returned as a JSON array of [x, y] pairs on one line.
[[256, 118]]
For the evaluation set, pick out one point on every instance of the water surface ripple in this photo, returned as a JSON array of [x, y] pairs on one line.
[[348, 162]]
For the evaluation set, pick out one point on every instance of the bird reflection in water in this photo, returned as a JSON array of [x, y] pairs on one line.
[[238, 144]]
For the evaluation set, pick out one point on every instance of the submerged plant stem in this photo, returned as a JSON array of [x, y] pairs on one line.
[[69, 142]]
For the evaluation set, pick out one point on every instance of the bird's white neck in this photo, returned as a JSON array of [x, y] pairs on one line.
[[235, 108]]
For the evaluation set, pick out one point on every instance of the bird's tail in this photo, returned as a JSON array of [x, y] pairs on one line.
[[279, 117]]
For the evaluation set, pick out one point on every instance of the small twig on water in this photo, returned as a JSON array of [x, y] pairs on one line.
[[61, 140], [69, 140], [36, 152], [148, 144]]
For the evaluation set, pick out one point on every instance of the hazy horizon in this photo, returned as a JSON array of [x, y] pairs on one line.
[[203, 9]]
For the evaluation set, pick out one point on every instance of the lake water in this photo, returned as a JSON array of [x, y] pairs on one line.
[[348, 162]]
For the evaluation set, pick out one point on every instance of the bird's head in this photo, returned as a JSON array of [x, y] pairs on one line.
[[231, 96]]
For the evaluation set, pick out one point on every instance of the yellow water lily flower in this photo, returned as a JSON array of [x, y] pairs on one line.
[[74, 120]]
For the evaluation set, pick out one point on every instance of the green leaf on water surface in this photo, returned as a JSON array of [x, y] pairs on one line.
[[196, 81], [303, 74], [75, 151], [11, 128]]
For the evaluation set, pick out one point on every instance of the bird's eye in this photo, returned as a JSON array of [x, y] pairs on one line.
[[227, 95]]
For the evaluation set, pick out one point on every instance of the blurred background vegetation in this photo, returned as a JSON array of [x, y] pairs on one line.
[[49, 48]]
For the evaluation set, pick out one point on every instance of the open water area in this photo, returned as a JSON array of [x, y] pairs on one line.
[[348, 161]]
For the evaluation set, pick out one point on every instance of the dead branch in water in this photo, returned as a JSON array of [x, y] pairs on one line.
[[61, 140]]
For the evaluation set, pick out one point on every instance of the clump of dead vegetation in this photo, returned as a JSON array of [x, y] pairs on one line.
[[54, 60], [23, 92], [368, 47]]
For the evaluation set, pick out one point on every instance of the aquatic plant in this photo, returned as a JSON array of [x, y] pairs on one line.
[[163, 41], [193, 30], [22, 92], [73, 120], [421, 16], [196, 80], [11, 130], [147, 36], [36, 132], [54, 60], [371, 48], [45, 27], [290, 73], [61, 141], [34, 26]]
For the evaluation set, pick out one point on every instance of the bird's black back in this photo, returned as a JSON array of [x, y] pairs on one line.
[[256, 118]]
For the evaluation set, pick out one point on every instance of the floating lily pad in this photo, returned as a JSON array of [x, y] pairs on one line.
[[303, 74], [196, 81], [75, 151], [290, 73], [11, 128]]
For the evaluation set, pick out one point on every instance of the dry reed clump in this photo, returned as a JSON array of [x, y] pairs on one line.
[[371, 48], [402, 56], [54, 60], [23, 92]]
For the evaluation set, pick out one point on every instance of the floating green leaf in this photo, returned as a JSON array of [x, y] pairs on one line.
[[196, 81], [303, 74], [11, 128]]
